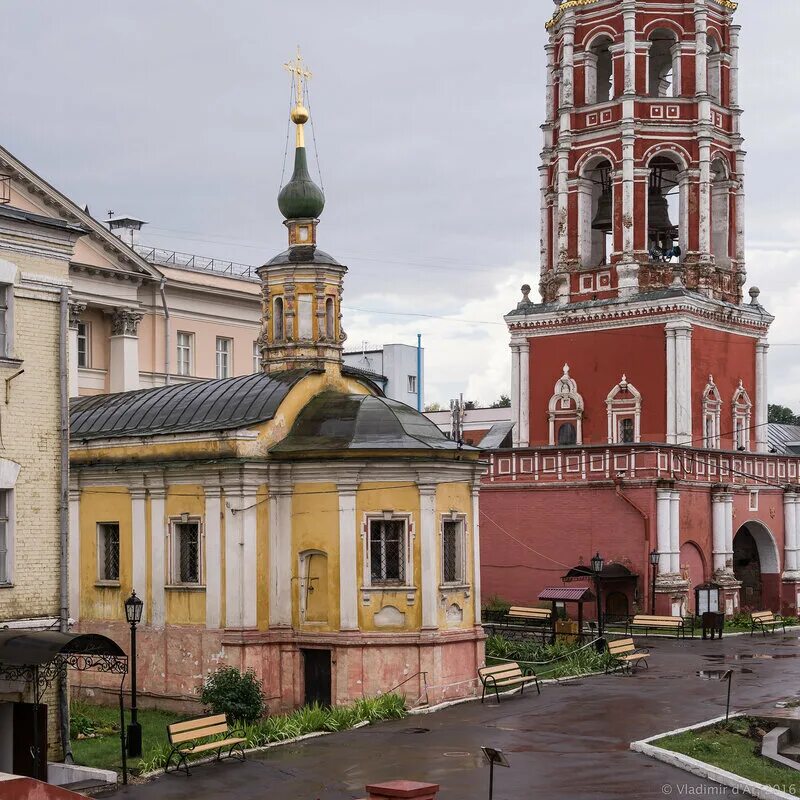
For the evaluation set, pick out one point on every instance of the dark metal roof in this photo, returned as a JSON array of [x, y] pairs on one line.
[[335, 421], [784, 438], [19, 214], [610, 572], [567, 594], [25, 648], [305, 254], [182, 408], [496, 435]]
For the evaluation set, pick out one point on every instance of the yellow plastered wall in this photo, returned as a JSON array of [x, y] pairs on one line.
[[262, 555], [186, 606], [402, 499], [315, 526], [104, 504], [456, 497]]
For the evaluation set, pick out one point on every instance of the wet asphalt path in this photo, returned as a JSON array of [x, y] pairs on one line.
[[572, 742]]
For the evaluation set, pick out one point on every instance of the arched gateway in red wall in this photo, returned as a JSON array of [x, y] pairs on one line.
[[639, 381]]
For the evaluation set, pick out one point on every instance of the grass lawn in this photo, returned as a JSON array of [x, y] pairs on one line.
[[104, 751], [735, 748]]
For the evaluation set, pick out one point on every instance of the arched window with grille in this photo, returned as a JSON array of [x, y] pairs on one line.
[[565, 411], [712, 411], [742, 410], [624, 410]]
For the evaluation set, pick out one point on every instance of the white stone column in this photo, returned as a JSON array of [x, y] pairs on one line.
[[704, 210], [524, 393], [429, 556], [75, 311], [740, 207], [476, 551], [124, 351], [761, 409], [729, 533], [234, 609], [670, 333], [719, 530], [683, 382], [675, 532], [213, 556], [676, 51], [585, 190], [790, 509], [348, 558], [701, 47], [544, 221], [74, 570], [628, 141], [733, 48], [549, 50], [515, 396], [564, 148], [568, 64], [590, 76], [249, 574], [139, 541], [280, 557], [158, 551], [629, 20], [663, 514]]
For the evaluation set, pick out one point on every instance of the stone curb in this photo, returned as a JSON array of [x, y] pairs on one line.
[[701, 769]]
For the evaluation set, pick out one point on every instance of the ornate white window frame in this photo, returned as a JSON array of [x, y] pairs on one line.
[[619, 409], [742, 408], [407, 584], [173, 565], [711, 414], [9, 471], [461, 550], [8, 280], [566, 405], [100, 575]]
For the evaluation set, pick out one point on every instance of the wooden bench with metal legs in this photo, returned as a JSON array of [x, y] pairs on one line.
[[760, 619], [503, 676], [201, 735], [648, 621], [628, 654], [521, 614]]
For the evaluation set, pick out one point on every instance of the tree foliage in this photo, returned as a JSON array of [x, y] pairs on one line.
[[783, 415], [503, 402], [236, 694]]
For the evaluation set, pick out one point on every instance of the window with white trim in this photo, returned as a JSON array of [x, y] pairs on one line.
[[412, 384], [453, 549], [624, 411], [185, 365], [256, 358], [565, 411], [6, 293], [278, 332], [5, 536], [742, 409], [753, 500], [108, 552], [224, 357], [712, 410], [388, 550], [84, 341], [185, 552]]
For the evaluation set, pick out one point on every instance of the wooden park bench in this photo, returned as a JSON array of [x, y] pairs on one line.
[[760, 619], [628, 654], [202, 735], [504, 675], [527, 616], [648, 622]]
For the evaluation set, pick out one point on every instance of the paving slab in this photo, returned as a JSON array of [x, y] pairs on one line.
[[572, 742]]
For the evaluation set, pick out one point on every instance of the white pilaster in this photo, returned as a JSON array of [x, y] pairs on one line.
[[675, 532], [549, 50], [476, 552], [762, 412], [72, 361], [568, 64], [524, 393], [348, 558], [790, 522], [158, 549], [670, 333], [544, 221], [213, 556], [719, 529], [704, 210], [733, 48], [740, 207], [123, 373], [280, 558], [628, 140], [683, 381], [701, 49], [234, 609], [249, 573], [74, 570], [729, 533], [139, 541], [590, 76], [429, 556], [629, 18], [663, 513], [515, 398]]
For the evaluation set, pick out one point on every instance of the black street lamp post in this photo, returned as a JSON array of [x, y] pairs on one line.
[[597, 568], [654, 559], [133, 614]]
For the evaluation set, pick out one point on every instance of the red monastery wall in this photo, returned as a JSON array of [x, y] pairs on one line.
[[597, 361]]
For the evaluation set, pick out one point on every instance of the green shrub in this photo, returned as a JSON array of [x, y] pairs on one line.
[[81, 724], [236, 694]]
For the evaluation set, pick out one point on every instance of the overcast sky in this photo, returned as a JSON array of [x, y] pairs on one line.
[[426, 120]]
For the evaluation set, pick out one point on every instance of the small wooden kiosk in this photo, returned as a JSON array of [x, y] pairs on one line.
[[567, 594]]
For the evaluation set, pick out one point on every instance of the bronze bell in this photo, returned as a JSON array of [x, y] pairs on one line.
[[603, 220], [658, 213]]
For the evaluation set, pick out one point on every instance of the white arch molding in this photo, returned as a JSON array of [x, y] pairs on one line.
[[565, 406], [623, 402], [711, 414], [768, 555]]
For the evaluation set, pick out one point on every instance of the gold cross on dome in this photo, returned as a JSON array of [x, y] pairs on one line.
[[300, 73]]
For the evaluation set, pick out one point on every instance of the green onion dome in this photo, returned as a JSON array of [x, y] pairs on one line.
[[301, 198]]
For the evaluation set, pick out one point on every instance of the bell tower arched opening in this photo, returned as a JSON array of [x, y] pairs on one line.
[[666, 203], [599, 71], [663, 64], [756, 565], [596, 213], [720, 213]]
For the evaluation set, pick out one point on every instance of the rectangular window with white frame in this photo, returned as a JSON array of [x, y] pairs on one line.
[[185, 552], [224, 357], [108, 552], [185, 365], [6, 527], [6, 293], [256, 358], [84, 344], [412, 384], [454, 528], [388, 557]]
